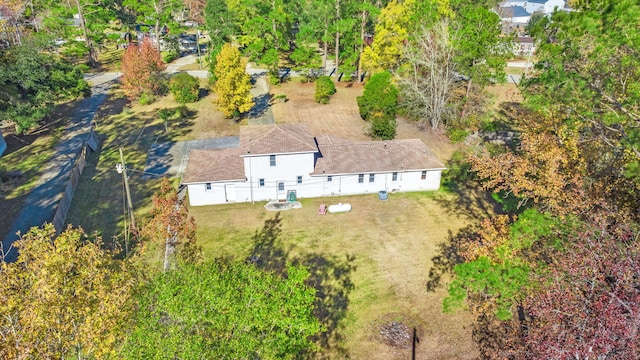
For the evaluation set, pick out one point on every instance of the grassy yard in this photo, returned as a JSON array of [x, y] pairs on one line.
[[372, 263], [98, 204]]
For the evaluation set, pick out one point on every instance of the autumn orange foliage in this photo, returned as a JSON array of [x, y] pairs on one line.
[[141, 66], [546, 168]]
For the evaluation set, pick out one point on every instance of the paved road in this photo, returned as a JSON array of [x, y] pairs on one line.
[[42, 202]]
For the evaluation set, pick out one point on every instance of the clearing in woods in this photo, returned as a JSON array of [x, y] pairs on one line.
[[371, 265]]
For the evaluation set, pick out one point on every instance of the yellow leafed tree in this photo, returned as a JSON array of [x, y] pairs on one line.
[[232, 84], [64, 297], [391, 33]]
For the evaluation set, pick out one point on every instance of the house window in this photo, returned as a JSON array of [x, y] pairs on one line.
[[207, 187], [261, 181], [361, 178], [272, 160], [394, 176], [372, 177], [280, 186], [329, 178], [299, 179], [424, 175]]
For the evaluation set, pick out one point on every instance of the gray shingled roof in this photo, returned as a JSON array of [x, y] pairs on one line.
[[276, 139], [340, 156], [513, 11], [211, 165]]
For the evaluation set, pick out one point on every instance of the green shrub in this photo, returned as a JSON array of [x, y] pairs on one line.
[[274, 77], [457, 135], [169, 56], [324, 89], [181, 112], [280, 98], [382, 127], [146, 99], [379, 95], [185, 88]]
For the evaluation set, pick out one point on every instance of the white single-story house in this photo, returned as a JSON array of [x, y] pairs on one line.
[[524, 46], [282, 162]]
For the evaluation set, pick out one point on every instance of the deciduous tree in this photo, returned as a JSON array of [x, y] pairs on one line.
[[233, 84], [481, 49], [64, 297], [594, 86], [588, 305], [547, 169], [390, 35], [141, 67], [32, 81], [158, 12], [428, 82], [219, 310], [222, 26], [170, 231]]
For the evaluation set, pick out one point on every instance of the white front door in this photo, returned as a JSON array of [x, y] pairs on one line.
[[230, 192]]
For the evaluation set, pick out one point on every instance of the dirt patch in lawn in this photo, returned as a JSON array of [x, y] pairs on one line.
[[504, 93], [340, 117]]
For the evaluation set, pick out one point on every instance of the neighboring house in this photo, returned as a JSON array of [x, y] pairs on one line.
[[515, 15], [536, 6], [530, 6], [279, 162], [552, 5], [524, 46]]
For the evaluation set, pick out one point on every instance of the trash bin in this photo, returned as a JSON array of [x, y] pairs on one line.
[[383, 195]]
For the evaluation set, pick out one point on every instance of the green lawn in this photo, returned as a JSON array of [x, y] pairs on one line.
[[98, 204], [371, 265]]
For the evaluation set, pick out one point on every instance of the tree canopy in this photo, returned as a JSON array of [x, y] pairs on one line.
[[32, 81], [232, 84], [141, 67], [64, 297], [218, 310]]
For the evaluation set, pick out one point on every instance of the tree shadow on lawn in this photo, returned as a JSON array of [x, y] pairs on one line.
[[448, 255], [99, 199], [261, 102], [329, 275], [469, 200]]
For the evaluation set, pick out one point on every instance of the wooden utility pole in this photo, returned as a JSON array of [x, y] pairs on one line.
[[337, 38], [126, 188]]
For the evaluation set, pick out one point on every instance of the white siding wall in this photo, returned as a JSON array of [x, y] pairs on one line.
[[406, 181], [287, 169], [551, 5], [199, 195]]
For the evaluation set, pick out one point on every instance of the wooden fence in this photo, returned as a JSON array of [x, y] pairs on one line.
[[65, 203]]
